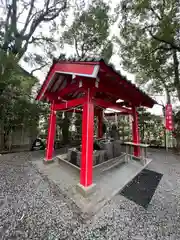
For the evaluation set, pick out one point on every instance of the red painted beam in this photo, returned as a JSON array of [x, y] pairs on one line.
[[69, 104], [115, 106]]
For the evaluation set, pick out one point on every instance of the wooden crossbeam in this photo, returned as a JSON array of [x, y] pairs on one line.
[[115, 106], [69, 104]]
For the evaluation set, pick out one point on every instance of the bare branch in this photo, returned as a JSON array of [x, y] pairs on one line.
[[33, 15], [6, 35], [28, 17], [173, 46], [82, 50], [158, 48], [18, 41], [7, 19], [147, 27], [42, 17], [38, 39], [47, 5], [156, 14], [76, 46], [22, 11], [14, 16], [38, 18], [39, 68]]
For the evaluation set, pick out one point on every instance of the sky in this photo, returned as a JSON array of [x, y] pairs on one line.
[[157, 109]]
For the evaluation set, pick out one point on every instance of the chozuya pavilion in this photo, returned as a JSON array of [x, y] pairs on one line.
[[92, 85]]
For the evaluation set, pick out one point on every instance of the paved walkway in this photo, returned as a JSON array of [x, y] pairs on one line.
[[32, 207]]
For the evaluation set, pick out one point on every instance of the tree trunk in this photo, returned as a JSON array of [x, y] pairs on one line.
[[177, 86], [168, 96], [2, 137], [6, 136], [10, 140], [176, 73], [143, 132]]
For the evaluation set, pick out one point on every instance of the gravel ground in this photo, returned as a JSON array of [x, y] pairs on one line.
[[32, 207]]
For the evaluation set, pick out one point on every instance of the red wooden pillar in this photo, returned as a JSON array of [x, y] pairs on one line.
[[51, 135], [87, 142], [135, 132], [100, 123]]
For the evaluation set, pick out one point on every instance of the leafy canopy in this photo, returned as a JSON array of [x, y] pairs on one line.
[[89, 32], [149, 43]]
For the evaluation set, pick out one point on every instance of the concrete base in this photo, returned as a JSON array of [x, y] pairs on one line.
[[86, 191], [135, 158], [45, 161], [110, 179]]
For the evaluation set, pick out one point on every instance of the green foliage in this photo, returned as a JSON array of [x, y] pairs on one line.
[[149, 37], [7, 66], [17, 107], [89, 32], [149, 44], [151, 127]]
